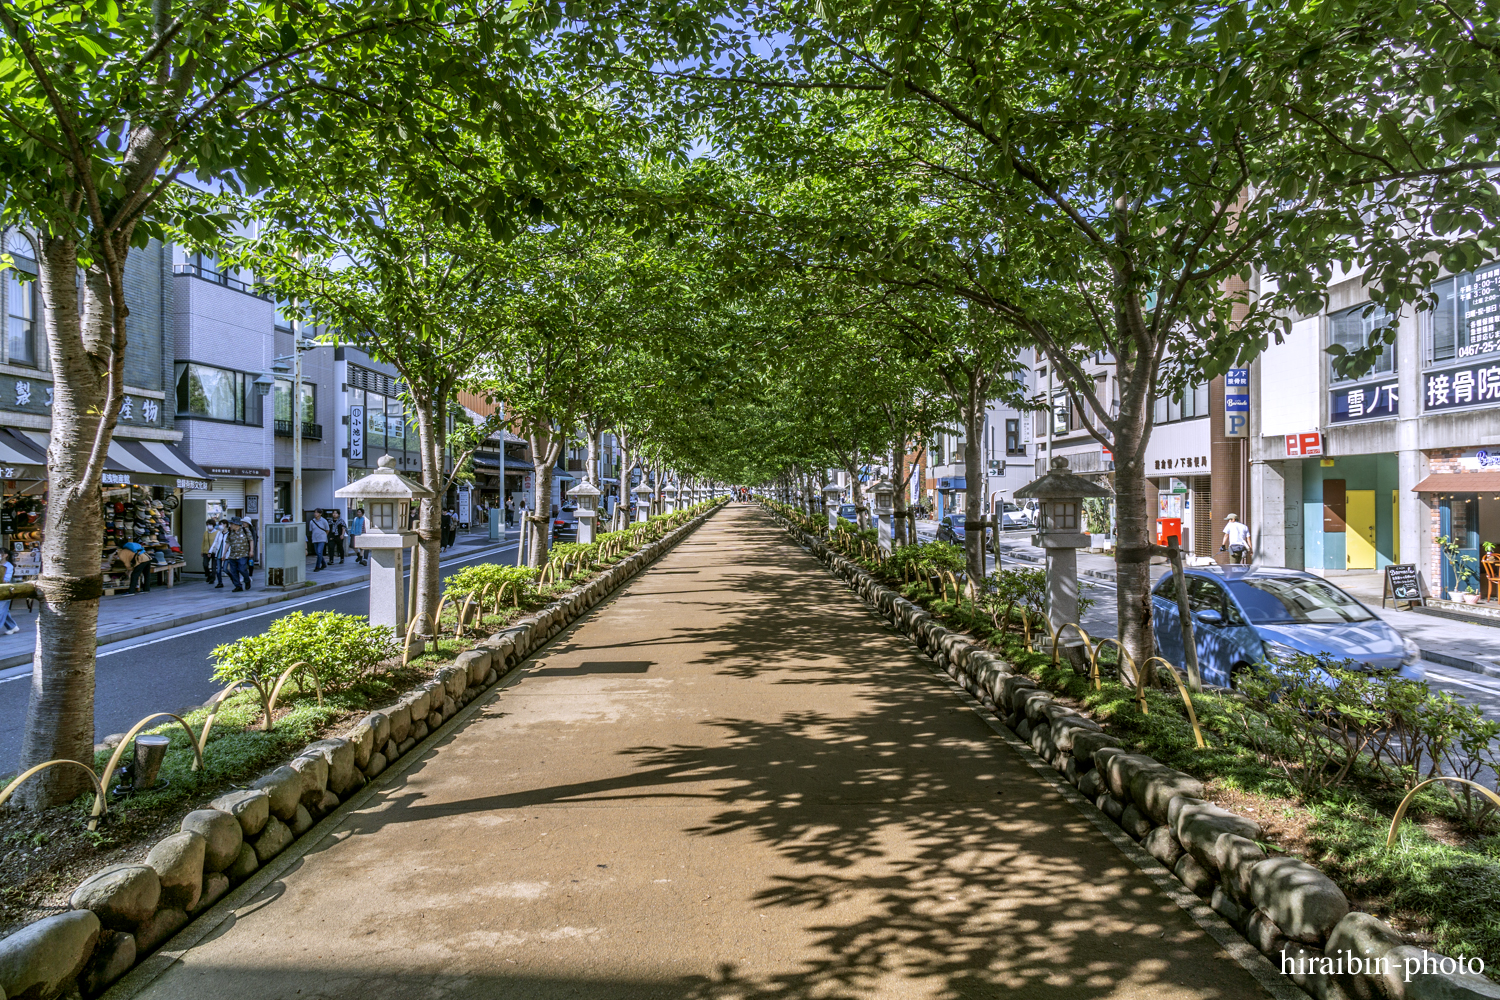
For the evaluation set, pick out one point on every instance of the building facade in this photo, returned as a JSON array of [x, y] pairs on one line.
[[1354, 474]]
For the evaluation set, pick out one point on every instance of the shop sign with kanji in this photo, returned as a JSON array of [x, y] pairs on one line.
[[1476, 385], [1363, 402]]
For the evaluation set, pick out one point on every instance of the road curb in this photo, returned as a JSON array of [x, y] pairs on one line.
[[120, 635]]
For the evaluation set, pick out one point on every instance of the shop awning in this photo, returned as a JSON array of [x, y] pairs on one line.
[[21, 458], [1460, 482], [144, 463]]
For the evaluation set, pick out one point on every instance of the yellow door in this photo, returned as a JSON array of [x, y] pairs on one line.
[[1359, 529]]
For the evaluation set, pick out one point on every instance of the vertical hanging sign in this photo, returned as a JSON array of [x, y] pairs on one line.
[[356, 433], [1237, 403]]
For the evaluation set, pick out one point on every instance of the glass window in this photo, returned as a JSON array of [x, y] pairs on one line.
[[215, 393], [375, 423], [21, 299], [1351, 329], [1013, 445], [395, 426], [1466, 319], [1273, 599], [284, 401], [1191, 402]]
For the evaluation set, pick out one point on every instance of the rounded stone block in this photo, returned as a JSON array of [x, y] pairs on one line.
[[251, 808], [122, 896], [272, 840], [1301, 900], [42, 957], [178, 861], [113, 956], [222, 836], [284, 786]]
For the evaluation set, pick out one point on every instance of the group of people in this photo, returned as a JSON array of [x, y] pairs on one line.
[[228, 550], [326, 531]]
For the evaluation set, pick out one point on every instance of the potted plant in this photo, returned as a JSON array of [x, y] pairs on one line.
[[1465, 570]]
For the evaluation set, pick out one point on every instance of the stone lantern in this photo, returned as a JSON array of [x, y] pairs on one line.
[[587, 495], [386, 497], [831, 494], [669, 498], [1060, 495], [885, 512], [642, 502]]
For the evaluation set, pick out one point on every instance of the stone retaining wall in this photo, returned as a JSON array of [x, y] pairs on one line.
[[1286, 908], [122, 913]]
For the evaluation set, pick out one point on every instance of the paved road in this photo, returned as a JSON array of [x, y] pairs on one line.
[[170, 671], [731, 782]]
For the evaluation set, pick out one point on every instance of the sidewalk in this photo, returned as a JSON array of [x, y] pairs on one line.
[[731, 781], [193, 600]]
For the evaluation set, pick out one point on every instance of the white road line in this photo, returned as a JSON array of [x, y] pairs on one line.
[[23, 671]]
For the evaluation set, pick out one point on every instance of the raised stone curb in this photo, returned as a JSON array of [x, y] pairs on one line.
[[122, 913], [1291, 912]]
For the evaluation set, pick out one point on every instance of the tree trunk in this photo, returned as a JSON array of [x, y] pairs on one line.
[[898, 499], [546, 445], [591, 471], [431, 437], [60, 714], [973, 416]]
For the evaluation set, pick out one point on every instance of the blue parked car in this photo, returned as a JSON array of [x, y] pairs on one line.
[[1243, 615]]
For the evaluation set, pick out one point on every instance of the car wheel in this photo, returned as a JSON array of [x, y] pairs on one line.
[[1235, 673]]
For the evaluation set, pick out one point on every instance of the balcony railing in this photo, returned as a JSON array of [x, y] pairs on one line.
[[310, 432], [220, 278]]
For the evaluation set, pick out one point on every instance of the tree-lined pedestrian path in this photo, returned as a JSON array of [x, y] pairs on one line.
[[729, 781]]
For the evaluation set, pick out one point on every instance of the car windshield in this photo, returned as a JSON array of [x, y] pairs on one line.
[[1272, 600]]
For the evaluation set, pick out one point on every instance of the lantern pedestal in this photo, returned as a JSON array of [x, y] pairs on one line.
[[831, 494], [387, 577], [586, 526], [385, 498], [1061, 495]]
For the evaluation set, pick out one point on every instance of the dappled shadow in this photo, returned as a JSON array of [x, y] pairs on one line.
[[683, 827]]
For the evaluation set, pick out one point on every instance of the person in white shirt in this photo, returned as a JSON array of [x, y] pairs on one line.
[[1236, 539]]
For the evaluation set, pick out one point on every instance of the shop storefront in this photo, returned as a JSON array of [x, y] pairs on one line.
[[140, 498], [1463, 493]]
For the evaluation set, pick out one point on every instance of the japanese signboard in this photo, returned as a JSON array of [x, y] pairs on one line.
[[1365, 402], [356, 433], [1304, 445], [1476, 385], [1237, 403], [1479, 301]]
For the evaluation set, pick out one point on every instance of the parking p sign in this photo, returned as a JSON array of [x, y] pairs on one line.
[[1237, 403]]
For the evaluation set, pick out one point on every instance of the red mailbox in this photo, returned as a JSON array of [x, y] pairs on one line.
[[1168, 527]]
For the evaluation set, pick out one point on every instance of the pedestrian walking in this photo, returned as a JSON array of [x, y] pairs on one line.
[[8, 625], [448, 531], [357, 528], [337, 531], [240, 546], [1237, 539], [210, 536], [510, 512], [219, 551], [318, 527]]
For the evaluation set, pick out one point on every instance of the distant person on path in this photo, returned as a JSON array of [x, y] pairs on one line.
[[357, 528], [510, 512], [1237, 539], [337, 530], [210, 538], [448, 531], [319, 526], [9, 623]]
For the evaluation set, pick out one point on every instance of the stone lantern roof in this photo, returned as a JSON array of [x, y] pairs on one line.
[[584, 489], [385, 483], [1060, 484]]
